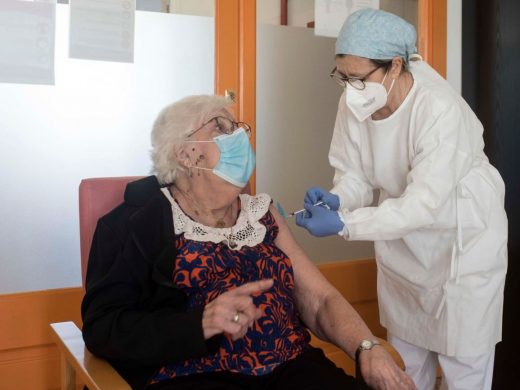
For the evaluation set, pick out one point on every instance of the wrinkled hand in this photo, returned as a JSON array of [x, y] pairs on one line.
[[380, 371], [218, 316], [320, 221], [317, 194]]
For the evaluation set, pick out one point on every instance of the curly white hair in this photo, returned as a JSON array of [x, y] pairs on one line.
[[173, 124]]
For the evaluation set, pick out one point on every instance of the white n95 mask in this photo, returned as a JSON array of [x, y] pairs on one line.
[[364, 102]]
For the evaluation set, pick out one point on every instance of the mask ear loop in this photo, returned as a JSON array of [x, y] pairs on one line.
[[190, 174], [391, 85], [384, 78]]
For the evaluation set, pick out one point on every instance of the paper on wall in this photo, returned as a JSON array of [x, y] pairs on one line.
[[27, 41], [102, 30], [329, 15]]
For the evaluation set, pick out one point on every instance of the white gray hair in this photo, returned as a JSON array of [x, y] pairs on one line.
[[173, 124]]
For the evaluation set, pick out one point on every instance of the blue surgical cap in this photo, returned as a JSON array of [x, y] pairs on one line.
[[377, 35]]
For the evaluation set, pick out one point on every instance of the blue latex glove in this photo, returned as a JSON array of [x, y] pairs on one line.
[[317, 194], [320, 221]]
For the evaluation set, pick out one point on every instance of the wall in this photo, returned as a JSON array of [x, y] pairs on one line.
[[406, 9], [454, 44], [95, 121], [296, 109], [193, 7], [300, 12], [149, 5], [60, 147]]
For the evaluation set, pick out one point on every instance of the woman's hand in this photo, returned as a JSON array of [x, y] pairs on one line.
[[234, 311], [380, 371]]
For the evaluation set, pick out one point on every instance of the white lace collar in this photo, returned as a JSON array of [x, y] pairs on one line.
[[246, 231]]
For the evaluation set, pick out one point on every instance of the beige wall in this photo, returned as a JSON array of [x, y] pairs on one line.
[[193, 7], [296, 109], [300, 12]]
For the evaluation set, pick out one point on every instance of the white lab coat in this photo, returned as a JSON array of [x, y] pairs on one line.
[[440, 228]]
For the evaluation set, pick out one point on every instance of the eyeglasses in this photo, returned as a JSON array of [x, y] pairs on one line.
[[225, 125], [356, 82]]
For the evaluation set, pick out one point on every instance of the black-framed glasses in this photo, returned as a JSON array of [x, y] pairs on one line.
[[356, 82], [225, 125]]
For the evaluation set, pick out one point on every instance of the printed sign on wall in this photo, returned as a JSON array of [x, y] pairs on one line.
[[27, 41], [102, 30]]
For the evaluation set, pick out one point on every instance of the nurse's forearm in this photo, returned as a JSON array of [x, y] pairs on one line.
[[339, 323]]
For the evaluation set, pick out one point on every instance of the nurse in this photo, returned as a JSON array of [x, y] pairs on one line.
[[439, 225]]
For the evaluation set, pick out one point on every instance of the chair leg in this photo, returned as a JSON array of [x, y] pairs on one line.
[[68, 375]]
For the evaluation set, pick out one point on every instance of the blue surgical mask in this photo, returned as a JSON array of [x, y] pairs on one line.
[[237, 158]]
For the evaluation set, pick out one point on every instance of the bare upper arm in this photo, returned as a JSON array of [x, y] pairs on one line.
[[311, 287]]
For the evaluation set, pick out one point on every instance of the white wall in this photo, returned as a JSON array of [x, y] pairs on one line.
[[94, 122], [454, 44], [296, 108]]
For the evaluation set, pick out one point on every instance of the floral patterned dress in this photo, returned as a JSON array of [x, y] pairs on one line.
[[207, 266]]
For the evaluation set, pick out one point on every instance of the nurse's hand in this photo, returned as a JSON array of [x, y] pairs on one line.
[[380, 371], [320, 221], [317, 194]]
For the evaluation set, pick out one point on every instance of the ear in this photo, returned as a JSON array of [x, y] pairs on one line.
[[396, 68], [182, 156]]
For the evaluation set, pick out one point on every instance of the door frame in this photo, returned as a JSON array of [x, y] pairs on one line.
[[235, 60], [432, 33]]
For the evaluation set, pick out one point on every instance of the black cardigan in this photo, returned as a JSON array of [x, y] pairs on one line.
[[133, 315]]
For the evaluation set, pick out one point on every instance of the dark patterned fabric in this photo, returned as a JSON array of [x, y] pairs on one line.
[[205, 270]]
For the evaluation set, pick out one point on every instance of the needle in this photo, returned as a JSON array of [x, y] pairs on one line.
[[302, 210]]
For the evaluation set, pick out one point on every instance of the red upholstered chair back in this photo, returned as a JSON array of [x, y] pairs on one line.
[[97, 196]]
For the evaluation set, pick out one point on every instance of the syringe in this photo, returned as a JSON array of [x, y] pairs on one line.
[[302, 210]]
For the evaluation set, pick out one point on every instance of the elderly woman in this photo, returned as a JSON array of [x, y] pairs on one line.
[[440, 228], [193, 285]]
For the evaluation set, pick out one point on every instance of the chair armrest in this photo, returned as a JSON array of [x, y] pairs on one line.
[[95, 373]]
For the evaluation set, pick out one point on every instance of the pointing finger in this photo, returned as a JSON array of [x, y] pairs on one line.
[[253, 287]]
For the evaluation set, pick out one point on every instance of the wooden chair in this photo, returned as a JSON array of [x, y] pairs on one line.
[[97, 197]]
